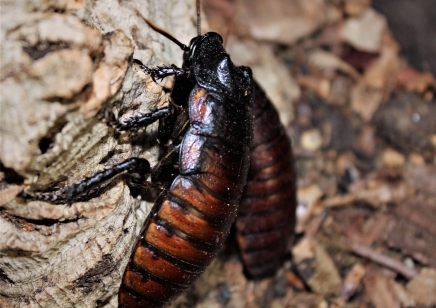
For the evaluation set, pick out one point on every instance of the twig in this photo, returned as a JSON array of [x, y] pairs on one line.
[[384, 260]]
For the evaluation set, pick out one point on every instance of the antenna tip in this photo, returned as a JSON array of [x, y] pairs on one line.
[[198, 18]]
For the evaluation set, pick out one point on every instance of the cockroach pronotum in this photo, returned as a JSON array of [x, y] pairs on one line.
[[211, 133]]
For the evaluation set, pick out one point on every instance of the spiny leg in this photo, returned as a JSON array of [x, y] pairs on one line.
[[162, 71], [144, 119], [137, 169]]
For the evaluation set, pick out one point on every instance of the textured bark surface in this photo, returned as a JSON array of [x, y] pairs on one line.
[[62, 64]]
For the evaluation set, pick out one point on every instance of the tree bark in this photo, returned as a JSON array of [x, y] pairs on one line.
[[62, 64]]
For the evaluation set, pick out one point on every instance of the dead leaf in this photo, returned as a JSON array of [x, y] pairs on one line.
[[385, 292], [422, 288], [284, 21], [365, 31]]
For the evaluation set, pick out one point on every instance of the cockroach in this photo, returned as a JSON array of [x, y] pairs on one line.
[[213, 136], [211, 133], [191, 220], [266, 219]]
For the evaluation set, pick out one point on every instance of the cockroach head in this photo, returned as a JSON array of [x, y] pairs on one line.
[[203, 48]]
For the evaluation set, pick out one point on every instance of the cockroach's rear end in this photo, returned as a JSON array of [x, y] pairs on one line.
[[266, 219]]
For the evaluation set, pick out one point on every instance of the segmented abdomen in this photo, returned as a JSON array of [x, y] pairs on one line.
[[266, 219], [190, 222]]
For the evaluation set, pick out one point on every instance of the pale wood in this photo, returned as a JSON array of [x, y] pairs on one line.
[[59, 69]]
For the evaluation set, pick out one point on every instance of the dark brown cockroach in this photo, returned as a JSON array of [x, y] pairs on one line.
[[266, 220], [212, 135], [191, 220]]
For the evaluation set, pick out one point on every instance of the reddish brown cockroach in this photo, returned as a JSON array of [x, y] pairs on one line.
[[266, 219], [191, 220], [212, 137]]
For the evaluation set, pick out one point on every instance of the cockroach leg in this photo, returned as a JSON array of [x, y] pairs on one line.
[[162, 71], [144, 119], [136, 168]]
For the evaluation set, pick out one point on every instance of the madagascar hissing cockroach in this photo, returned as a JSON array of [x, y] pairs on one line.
[[266, 219], [191, 220], [211, 133]]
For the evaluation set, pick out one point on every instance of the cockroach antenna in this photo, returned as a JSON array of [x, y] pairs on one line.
[[163, 32], [198, 19]]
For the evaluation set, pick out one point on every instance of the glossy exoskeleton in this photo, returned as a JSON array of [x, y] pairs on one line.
[[266, 219], [211, 133], [191, 220]]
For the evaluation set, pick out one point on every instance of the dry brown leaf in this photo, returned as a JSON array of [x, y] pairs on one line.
[[422, 288], [364, 32], [381, 73], [411, 229], [284, 21], [309, 197], [352, 281], [365, 101], [316, 267], [392, 158], [321, 86], [356, 7], [385, 292], [414, 81], [326, 60]]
